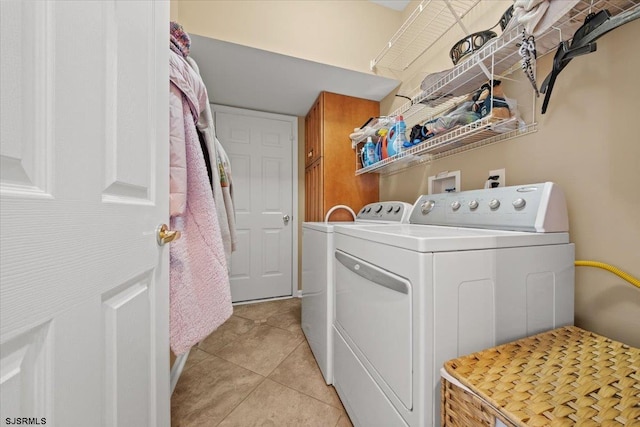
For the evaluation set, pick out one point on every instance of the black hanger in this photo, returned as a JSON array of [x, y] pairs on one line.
[[595, 26]]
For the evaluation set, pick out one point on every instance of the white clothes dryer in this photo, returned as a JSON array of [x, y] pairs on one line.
[[318, 278], [470, 271]]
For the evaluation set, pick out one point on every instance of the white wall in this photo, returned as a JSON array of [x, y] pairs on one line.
[[346, 33]]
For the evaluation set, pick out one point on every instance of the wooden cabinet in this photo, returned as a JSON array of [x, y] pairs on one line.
[[313, 133], [330, 167]]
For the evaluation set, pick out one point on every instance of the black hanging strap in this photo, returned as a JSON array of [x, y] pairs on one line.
[[595, 26]]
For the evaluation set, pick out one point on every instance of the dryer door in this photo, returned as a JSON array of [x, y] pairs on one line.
[[373, 314]]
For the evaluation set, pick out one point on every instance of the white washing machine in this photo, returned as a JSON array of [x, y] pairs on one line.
[[317, 275], [472, 270]]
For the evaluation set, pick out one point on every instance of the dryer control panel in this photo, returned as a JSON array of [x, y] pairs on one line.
[[385, 212], [536, 207]]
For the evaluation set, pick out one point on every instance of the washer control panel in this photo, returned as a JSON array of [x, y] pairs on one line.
[[385, 212], [535, 207]]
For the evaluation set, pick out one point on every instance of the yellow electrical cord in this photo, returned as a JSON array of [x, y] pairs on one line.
[[629, 278]]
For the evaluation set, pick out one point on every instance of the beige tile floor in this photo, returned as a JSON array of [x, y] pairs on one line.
[[256, 370]]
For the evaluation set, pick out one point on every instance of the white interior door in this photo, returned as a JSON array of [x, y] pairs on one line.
[[261, 148], [83, 185]]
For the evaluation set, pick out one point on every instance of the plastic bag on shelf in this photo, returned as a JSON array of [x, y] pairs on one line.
[[374, 127]]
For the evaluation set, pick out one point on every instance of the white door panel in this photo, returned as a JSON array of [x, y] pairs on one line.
[[261, 149], [84, 184], [26, 34]]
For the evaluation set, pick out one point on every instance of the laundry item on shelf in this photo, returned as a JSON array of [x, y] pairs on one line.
[[537, 16], [477, 106]]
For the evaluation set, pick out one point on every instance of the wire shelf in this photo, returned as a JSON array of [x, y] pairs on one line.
[[479, 133], [498, 58], [425, 26], [500, 54]]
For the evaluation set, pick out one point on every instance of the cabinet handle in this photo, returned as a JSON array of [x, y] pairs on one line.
[[310, 154]]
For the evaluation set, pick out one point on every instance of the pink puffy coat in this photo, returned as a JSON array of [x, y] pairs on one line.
[[183, 81], [200, 295]]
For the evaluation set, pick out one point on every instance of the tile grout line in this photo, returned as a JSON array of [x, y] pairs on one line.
[[245, 398], [248, 369], [294, 335], [241, 367], [193, 365], [300, 391], [308, 395]]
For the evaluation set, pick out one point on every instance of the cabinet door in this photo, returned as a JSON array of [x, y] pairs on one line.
[[314, 187], [341, 114], [313, 132]]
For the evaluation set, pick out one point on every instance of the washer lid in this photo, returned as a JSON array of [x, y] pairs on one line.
[[328, 227], [325, 227], [431, 238]]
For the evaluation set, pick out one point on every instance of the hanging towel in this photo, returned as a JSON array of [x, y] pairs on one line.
[[226, 182], [200, 295], [221, 183]]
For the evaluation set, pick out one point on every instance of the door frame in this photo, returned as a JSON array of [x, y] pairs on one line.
[[215, 108]]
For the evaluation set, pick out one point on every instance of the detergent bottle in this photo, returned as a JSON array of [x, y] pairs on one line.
[[402, 130], [370, 152], [397, 136]]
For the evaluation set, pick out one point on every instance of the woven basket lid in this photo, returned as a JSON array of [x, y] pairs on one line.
[[563, 377]]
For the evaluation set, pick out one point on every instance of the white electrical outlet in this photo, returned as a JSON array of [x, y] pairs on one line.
[[502, 177]]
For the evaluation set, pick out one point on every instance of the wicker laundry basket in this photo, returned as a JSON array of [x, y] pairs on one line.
[[563, 377]]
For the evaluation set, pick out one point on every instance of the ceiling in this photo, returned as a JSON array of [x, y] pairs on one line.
[[398, 5], [245, 77]]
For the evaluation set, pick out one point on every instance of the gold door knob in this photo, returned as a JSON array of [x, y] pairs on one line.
[[164, 235]]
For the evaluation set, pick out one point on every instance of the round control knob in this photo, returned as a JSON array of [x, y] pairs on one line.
[[427, 206], [519, 203], [473, 204], [379, 208], [389, 209], [455, 205], [397, 209], [494, 204]]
